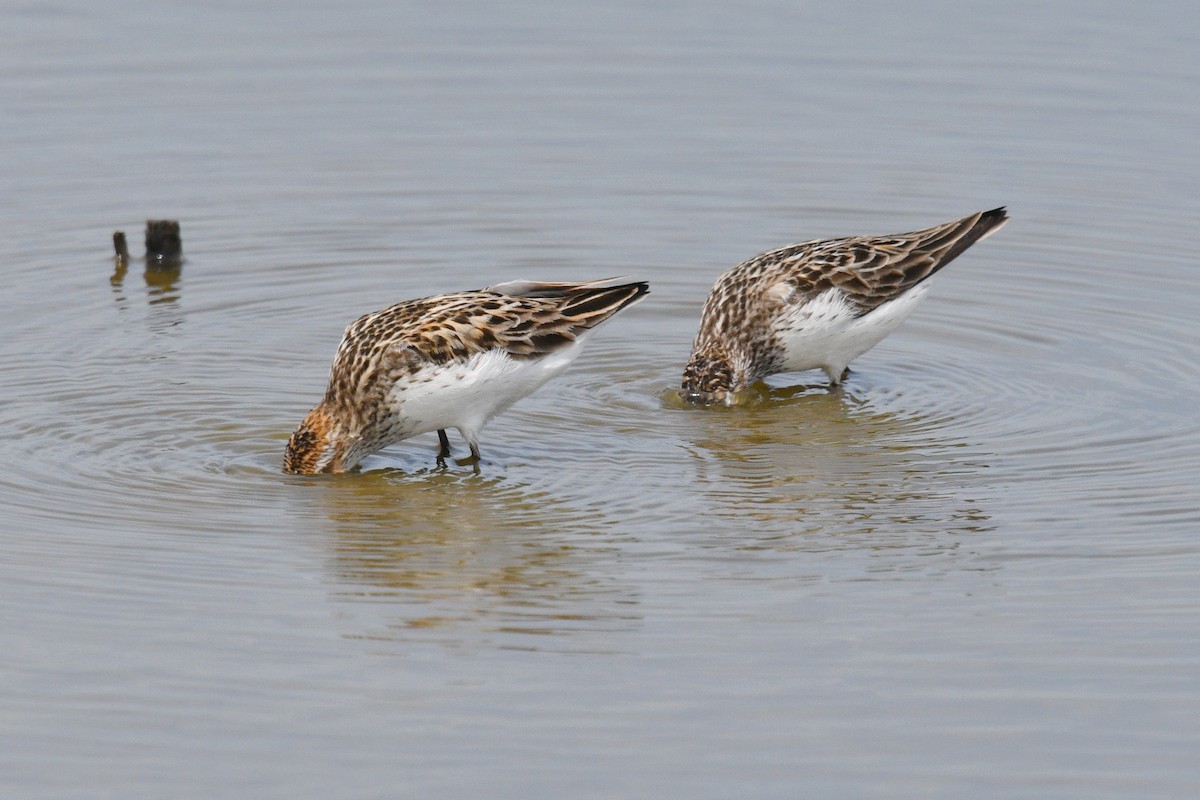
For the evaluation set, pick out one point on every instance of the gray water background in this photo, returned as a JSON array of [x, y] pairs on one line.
[[973, 573]]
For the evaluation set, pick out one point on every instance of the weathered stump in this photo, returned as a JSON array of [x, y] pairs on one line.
[[163, 244], [120, 246]]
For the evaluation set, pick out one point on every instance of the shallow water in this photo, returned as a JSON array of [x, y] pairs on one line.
[[972, 572]]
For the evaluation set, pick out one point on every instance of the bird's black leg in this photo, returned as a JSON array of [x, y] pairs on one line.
[[444, 452]]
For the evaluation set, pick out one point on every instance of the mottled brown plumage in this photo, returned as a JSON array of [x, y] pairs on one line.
[[453, 360], [817, 304]]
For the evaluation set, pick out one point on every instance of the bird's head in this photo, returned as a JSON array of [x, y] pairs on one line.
[[708, 378], [320, 444]]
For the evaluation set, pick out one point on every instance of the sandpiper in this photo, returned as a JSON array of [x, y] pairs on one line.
[[817, 304], [450, 361]]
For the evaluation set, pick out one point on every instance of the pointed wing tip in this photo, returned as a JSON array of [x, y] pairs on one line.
[[526, 288], [637, 291], [990, 221], [998, 215]]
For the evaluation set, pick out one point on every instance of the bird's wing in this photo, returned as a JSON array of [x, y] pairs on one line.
[[870, 270]]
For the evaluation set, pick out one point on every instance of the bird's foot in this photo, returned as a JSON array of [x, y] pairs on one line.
[[471, 460], [836, 380]]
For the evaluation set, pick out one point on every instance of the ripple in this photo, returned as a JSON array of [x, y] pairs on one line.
[[1064, 397], [176, 398]]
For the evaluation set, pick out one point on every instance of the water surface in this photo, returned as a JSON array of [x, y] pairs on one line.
[[972, 572]]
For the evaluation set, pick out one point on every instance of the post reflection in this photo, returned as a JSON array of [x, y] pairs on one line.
[[164, 289]]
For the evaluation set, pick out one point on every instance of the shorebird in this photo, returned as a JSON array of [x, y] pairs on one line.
[[817, 304], [450, 361]]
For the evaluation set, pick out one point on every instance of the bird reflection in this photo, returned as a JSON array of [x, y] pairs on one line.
[[808, 467], [462, 558]]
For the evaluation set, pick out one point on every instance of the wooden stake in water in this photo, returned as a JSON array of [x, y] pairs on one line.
[[121, 248], [163, 244]]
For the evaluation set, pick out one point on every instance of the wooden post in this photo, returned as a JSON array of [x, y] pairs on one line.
[[163, 244], [119, 245]]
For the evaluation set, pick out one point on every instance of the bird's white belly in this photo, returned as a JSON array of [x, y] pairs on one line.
[[825, 332], [467, 394]]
